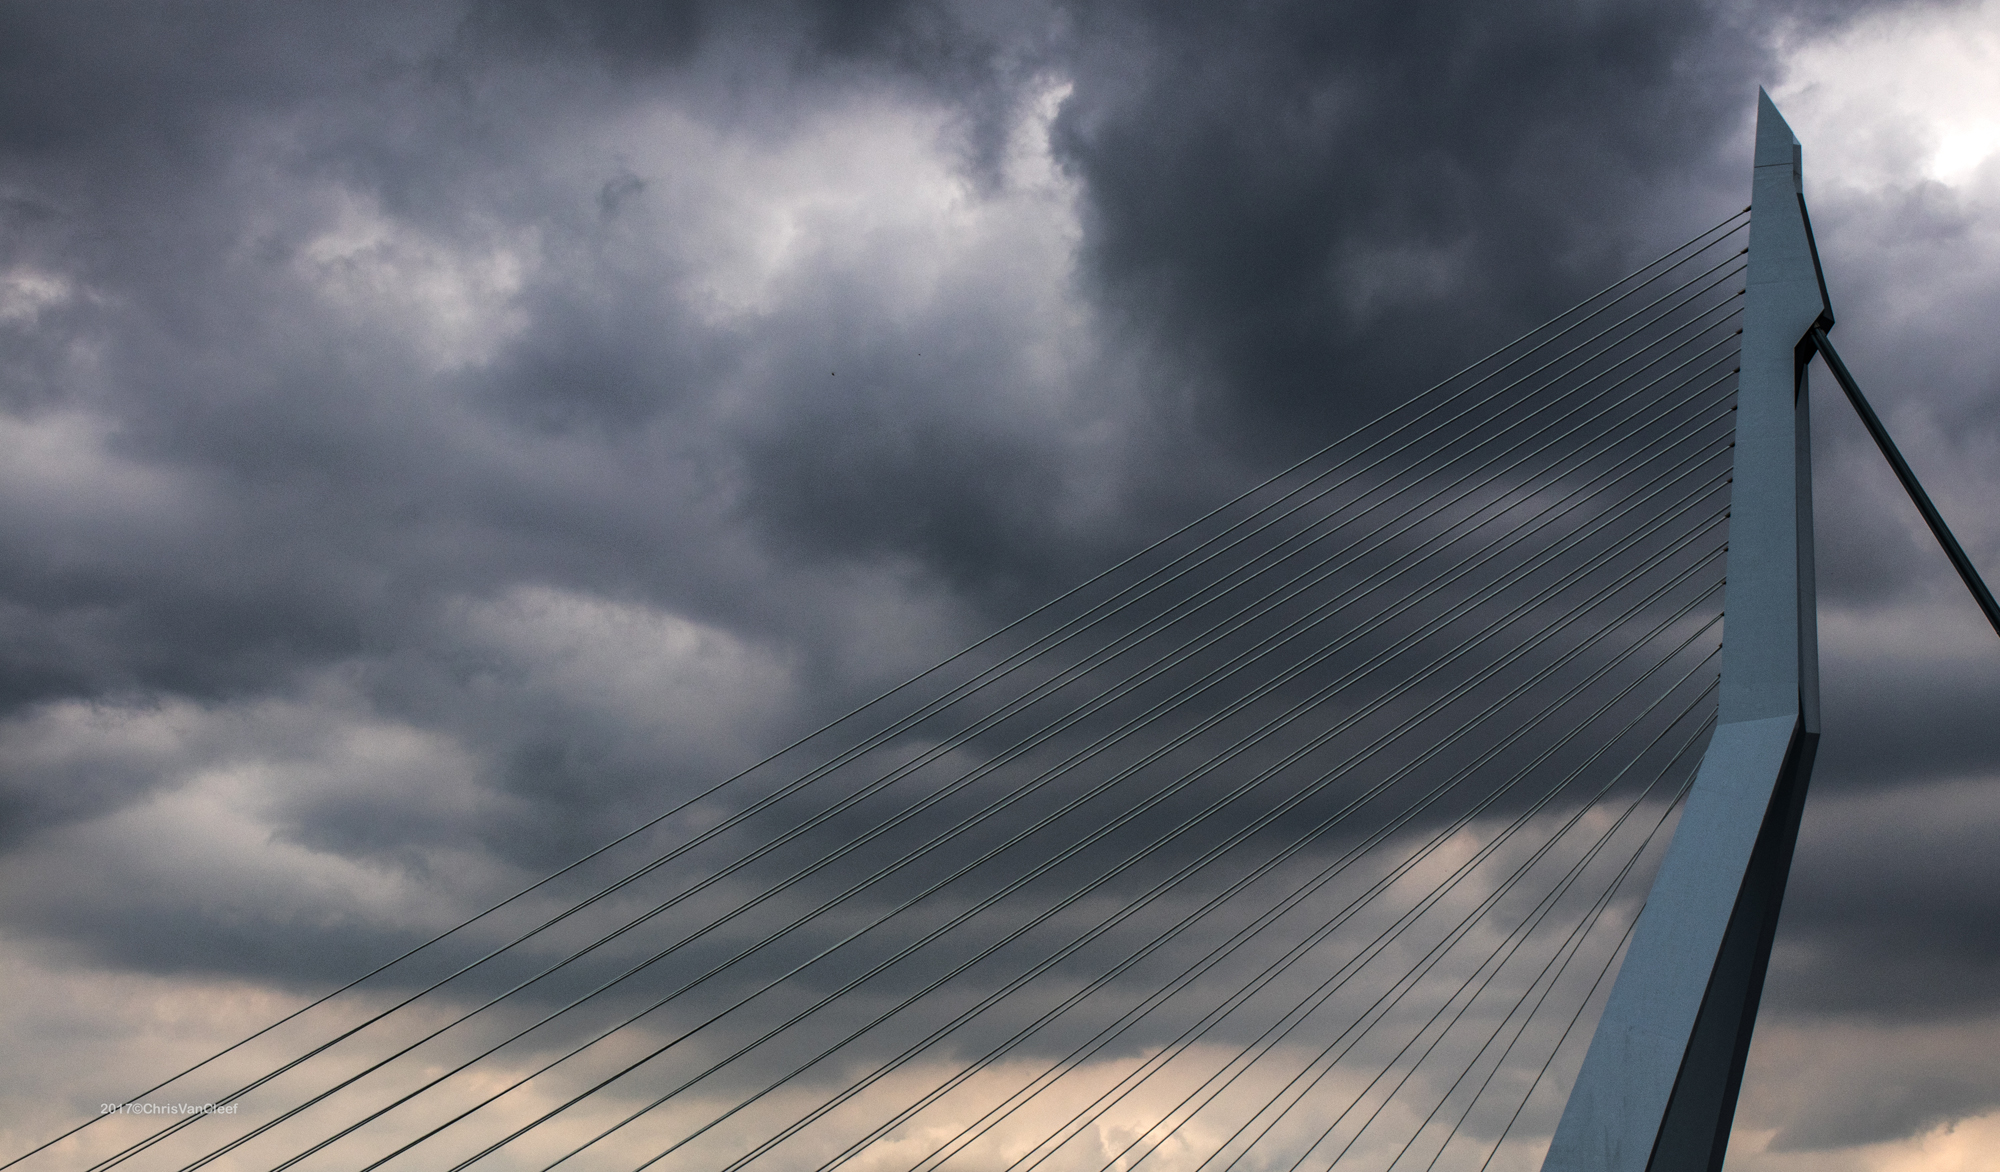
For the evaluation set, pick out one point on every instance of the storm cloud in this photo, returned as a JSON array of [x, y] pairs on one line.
[[438, 437]]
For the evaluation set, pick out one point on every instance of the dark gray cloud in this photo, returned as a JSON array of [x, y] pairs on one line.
[[438, 436], [1301, 192]]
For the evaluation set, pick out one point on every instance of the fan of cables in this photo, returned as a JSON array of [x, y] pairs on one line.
[[1304, 838]]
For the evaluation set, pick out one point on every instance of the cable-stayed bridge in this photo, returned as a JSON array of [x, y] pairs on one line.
[[1311, 836]]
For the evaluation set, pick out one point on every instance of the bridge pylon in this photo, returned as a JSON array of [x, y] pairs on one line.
[[1658, 1087]]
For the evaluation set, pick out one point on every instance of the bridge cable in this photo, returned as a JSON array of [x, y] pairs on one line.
[[1967, 572], [712, 925], [1041, 967], [1338, 979], [1302, 948], [1409, 981], [1588, 998], [1435, 495], [1573, 413], [1665, 813], [1571, 949], [682, 806], [1047, 1017]]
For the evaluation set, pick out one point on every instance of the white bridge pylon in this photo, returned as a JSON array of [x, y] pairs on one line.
[[1657, 1090]]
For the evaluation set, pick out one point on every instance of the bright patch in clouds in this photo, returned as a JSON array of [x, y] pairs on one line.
[[25, 292], [454, 301], [867, 188], [1900, 95], [631, 665]]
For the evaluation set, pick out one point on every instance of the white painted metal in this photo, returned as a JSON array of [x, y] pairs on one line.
[[1657, 1091]]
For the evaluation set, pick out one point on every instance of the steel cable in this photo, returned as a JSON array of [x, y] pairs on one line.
[[1628, 509], [1069, 949], [1334, 982], [553, 877], [1574, 1018], [714, 924], [1457, 735], [1404, 984], [1131, 1016], [657, 863], [1571, 948], [1521, 938], [688, 803], [272, 1123]]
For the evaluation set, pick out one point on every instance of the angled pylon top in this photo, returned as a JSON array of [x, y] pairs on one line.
[[1776, 144]]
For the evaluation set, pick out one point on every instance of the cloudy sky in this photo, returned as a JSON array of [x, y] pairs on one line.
[[424, 427]]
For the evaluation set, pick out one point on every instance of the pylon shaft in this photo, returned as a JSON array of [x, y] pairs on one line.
[[1658, 1087]]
